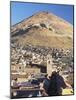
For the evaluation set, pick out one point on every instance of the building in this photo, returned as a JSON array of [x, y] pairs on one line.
[[49, 64]]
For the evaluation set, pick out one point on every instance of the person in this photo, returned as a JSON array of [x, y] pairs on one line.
[[56, 84], [46, 83]]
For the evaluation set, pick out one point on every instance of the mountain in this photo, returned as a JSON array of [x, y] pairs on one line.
[[43, 29]]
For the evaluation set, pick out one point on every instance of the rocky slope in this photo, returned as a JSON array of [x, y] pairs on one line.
[[43, 29]]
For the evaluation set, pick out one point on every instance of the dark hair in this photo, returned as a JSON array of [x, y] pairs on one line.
[[54, 73]]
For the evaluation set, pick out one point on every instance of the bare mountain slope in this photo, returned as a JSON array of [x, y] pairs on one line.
[[43, 29]]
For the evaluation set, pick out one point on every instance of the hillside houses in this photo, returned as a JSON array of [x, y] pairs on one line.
[[32, 59]]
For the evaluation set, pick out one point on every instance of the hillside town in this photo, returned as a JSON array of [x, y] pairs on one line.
[[34, 62]]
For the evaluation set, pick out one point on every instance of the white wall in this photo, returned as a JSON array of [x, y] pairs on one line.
[[5, 48]]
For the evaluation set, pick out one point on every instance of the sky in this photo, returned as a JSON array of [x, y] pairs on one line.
[[22, 10]]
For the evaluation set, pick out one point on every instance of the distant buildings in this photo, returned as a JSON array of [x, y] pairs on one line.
[[31, 59]]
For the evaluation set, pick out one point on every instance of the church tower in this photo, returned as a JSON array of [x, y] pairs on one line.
[[49, 64]]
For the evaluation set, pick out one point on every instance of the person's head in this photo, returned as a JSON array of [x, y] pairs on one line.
[[54, 73]]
